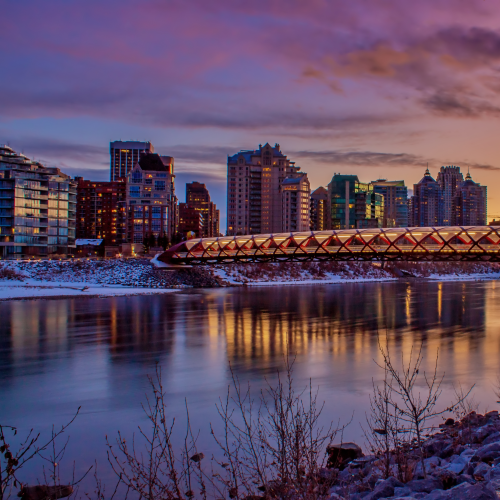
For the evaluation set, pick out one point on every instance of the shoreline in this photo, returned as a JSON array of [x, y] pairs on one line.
[[44, 290]]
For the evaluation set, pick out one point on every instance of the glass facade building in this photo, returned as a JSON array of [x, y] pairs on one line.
[[354, 204], [37, 208], [395, 195]]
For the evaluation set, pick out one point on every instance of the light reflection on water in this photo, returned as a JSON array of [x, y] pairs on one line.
[[57, 355]]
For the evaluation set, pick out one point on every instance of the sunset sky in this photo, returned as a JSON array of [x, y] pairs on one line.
[[377, 88]]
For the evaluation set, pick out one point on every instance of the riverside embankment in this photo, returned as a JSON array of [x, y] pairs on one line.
[[87, 277]]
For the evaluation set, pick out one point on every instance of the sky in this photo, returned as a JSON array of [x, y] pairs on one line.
[[377, 88]]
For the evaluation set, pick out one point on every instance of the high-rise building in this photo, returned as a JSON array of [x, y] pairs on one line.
[[295, 200], [354, 204], [124, 156], [100, 210], [395, 202], [37, 208], [198, 197], [427, 203], [469, 204], [319, 210], [369, 209], [191, 221], [449, 179], [254, 201], [151, 201]]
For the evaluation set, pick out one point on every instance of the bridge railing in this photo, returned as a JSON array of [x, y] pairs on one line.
[[436, 243]]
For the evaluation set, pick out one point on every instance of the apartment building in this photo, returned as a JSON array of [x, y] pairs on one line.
[[151, 204], [124, 155], [254, 180], [37, 208]]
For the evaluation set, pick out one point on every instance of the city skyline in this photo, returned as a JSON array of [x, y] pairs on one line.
[[379, 99]]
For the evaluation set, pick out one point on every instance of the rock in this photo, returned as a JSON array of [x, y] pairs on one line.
[[339, 455], [402, 492], [447, 477], [382, 490], [467, 491], [494, 487], [492, 415], [492, 438], [481, 433], [464, 478], [425, 485], [447, 451], [457, 464], [480, 471], [493, 473], [489, 452], [435, 445], [430, 465], [45, 492]]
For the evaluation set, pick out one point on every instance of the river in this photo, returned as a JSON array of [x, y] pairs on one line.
[[58, 355]]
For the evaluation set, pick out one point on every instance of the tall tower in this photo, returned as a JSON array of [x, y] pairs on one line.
[[319, 209], [395, 202], [469, 204], [124, 156], [449, 179], [427, 202], [198, 198], [254, 179]]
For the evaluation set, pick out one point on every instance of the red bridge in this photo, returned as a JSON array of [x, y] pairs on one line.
[[449, 243]]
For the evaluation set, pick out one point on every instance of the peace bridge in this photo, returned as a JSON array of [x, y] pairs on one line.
[[449, 243]]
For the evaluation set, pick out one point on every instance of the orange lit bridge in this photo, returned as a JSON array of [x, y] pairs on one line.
[[450, 243]]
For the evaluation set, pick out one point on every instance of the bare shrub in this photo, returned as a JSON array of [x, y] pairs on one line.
[[273, 444], [10, 274], [415, 408], [151, 468], [13, 461]]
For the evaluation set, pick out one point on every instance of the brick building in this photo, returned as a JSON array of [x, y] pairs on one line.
[[100, 211]]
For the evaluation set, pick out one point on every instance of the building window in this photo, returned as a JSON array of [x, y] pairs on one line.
[[135, 191], [160, 185], [137, 177]]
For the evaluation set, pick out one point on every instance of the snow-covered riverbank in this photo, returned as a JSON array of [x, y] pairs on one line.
[[36, 289], [46, 279], [347, 272]]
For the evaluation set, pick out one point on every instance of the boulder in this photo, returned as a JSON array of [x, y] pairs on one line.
[[494, 487], [402, 492], [467, 491], [492, 438], [425, 485], [488, 453], [481, 433], [430, 464], [45, 492], [339, 455], [447, 477], [481, 471]]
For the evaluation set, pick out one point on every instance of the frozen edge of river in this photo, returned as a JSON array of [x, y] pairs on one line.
[[35, 289]]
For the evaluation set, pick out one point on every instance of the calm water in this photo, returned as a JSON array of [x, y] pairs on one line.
[[58, 355]]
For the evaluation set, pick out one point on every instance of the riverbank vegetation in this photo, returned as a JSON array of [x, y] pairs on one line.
[[274, 445]]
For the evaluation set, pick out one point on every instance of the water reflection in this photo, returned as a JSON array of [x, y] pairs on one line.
[[56, 355], [254, 324]]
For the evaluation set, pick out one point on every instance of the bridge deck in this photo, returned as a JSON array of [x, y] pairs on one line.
[[471, 243]]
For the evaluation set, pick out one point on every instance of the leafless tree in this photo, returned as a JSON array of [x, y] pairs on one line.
[[386, 436], [150, 467], [415, 407], [13, 461], [273, 444]]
